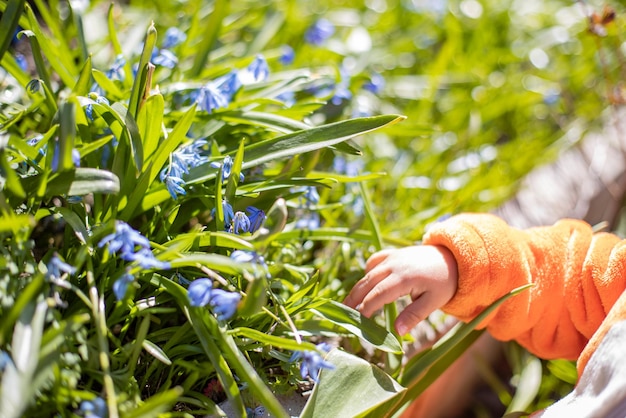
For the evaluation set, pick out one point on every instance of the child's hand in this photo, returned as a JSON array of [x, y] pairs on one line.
[[427, 273]]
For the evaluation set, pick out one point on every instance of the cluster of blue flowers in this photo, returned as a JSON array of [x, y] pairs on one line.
[[240, 222], [130, 245], [57, 267], [312, 361], [181, 161], [96, 408], [219, 93], [223, 303]]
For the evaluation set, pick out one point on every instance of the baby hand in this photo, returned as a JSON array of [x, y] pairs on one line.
[[425, 272]]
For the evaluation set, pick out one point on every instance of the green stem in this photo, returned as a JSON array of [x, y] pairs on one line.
[[99, 318]]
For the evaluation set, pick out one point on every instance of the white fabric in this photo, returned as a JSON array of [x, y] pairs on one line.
[[601, 390]]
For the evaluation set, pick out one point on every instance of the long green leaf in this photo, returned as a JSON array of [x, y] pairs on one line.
[[361, 326], [300, 142], [272, 340], [9, 22], [82, 181], [213, 27]]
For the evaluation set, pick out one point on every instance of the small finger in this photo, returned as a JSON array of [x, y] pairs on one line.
[[362, 288], [386, 291], [416, 312], [375, 259]]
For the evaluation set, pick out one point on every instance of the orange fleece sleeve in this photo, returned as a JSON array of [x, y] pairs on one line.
[[578, 277]]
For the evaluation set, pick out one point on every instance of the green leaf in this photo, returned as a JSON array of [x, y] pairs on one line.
[[528, 386], [212, 261], [272, 340], [83, 84], [156, 404], [82, 181], [156, 352], [209, 37], [73, 220], [150, 124], [361, 326], [140, 84], [353, 386], [9, 22], [300, 142]]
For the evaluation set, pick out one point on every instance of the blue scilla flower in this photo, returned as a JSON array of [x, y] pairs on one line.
[[257, 412], [96, 408], [89, 107], [287, 55], [257, 71], [224, 303], [124, 240], [256, 216], [5, 360], [116, 72], [210, 97], [241, 223], [164, 58], [349, 168], [228, 214], [229, 85], [227, 165], [321, 30], [310, 195], [308, 221], [173, 37], [199, 292], [312, 362], [21, 61], [120, 286], [375, 84], [251, 257], [57, 155], [146, 259], [287, 97], [342, 89], [174, 186], [57, 267]]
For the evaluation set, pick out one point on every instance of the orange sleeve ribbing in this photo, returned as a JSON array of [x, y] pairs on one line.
[[578, 277]]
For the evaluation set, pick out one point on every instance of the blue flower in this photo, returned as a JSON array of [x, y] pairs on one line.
[[312, 362], [223, 303], [57, 267], [164, 58], [257, 71], [124, 240], [287, 55], [5, 360], [199, 292], [321, 30], [311, 196], [94, 409], [229, 84], [309, 221], [375, 83], [241, 223], [256, 216], [228, 214], [146, 260], [251, 257], [173, 37], [227, 165], [116, 72], [120, 286], [259, 411], [21, 61], [174, 186], [210, 97]]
